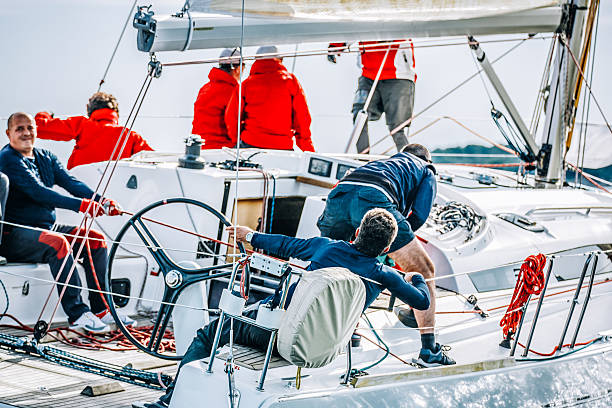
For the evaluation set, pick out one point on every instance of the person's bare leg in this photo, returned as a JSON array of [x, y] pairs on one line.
[[413, 258]]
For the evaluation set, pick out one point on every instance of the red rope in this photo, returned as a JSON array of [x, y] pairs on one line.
[[556, 348], [529, 282]]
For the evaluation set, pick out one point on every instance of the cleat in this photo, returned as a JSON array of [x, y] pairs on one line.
[[434, 358], [91, 323], [107, 318]]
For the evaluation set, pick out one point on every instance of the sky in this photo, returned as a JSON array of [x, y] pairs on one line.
[[53, 55]]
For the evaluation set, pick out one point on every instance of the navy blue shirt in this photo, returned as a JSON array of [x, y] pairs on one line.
[[410, 182], [31, 199], [325, 253]]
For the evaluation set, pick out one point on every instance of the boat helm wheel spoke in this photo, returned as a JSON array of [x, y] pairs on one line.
[[175, 238]]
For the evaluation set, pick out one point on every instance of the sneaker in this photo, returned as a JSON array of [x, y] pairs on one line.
[[434, 358], [156, 404], [406, 316], [107, 318], [90, 322]]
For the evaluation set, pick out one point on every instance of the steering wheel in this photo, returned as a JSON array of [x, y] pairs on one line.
[[145, 226]]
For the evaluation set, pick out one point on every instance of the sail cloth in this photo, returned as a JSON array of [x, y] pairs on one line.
[[597, 147], [217, 23], [372, 10]]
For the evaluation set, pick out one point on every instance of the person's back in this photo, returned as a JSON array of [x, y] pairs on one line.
[[401, 175], [274, 109], [213, 97], [96, 136]]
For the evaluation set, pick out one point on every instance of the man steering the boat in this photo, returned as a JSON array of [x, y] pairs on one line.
[[405, 185], [377, 230], [33, 235]]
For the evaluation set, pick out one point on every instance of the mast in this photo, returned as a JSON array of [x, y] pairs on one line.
[[557, 123]]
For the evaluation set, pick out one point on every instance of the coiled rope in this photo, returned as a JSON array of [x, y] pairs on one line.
[[529, 282]]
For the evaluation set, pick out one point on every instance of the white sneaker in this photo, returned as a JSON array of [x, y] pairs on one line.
[[90, 322], [107, 318]]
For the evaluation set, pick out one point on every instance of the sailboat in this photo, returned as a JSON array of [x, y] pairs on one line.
[[171, 259]]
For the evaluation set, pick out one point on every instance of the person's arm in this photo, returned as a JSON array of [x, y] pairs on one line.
[[414, 294], [70, 183], [424, 200], [138, 143], [277, 244], [301, 119], [285, 247], [58, 129], [24, 179], [231, 117]]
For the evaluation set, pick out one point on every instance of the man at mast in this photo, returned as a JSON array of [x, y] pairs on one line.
[[404, 185], [394, 93], [273, 108], [376, 232], [211, 103], [31, 203], [96, 135]]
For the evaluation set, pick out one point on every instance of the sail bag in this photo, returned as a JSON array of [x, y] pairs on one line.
[[321, 317]]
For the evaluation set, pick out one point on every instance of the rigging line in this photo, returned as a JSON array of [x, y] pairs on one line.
[[435, 102], [586, 83], [588, 109], [120, 243], [125, 136], [484, 85], [318, 52], [535, 118], [596, 184], [127, 20]]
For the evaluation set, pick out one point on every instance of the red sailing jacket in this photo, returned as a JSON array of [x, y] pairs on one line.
[[400, 63], [274, 109], [95, 136], [209, 110]]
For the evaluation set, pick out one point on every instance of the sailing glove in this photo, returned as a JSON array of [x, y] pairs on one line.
[[111, 207], [91, 208]]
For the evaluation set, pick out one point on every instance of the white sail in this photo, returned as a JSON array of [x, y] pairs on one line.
[[373, 10], [291, 22]]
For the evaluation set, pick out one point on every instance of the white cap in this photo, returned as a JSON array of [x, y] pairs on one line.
[[267, 49], [233, 53]]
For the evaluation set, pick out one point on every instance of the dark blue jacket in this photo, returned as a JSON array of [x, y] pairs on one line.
[[410, 182], [32, 200], [325, 253]]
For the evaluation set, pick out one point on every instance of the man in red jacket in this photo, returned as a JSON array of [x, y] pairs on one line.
[[95, 136], [273, 107], [394, 93], [209, 107]]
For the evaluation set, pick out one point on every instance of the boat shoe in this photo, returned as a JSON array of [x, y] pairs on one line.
[[91, 323], [107, 318], [434, 358]]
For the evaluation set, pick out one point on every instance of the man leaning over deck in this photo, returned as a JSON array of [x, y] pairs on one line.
[[405, 185], [377, 230], [31, 203]]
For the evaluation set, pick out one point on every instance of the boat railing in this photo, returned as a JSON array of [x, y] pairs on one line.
[[586, 208], [591, 261]]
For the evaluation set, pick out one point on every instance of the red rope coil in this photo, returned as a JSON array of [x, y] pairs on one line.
[[529, 282]]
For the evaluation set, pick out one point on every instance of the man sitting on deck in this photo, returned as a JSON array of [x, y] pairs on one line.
[[96, 136], [31, 203], [376, 232]]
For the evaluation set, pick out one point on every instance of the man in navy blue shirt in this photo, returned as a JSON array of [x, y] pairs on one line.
[[404, 185], [377, 230], [31, 204]]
